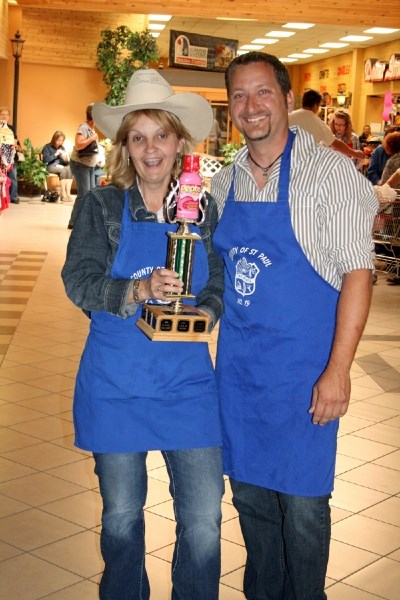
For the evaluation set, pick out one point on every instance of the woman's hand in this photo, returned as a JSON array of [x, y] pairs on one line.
[[162, 281]]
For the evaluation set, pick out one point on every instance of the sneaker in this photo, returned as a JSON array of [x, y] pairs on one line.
[[15, 201]]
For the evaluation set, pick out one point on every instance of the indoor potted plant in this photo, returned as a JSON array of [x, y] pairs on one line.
[[31, 171], [119, 54]]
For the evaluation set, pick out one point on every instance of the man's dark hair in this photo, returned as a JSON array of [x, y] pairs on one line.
[[281, 72], [311, 98]]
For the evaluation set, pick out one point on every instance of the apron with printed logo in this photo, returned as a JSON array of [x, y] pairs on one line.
[[133, 394], [275, 339]]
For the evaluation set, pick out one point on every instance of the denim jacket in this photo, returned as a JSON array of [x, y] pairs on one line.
[[93, 245]]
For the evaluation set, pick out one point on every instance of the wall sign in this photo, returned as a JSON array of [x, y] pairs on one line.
[[195, 51], [344, 70], [376, 70]]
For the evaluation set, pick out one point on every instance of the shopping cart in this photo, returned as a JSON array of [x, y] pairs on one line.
[[386, 237]]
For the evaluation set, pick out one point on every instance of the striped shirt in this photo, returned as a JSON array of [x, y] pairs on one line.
[[332, 205]]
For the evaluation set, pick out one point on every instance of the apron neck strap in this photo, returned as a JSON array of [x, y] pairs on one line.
[[283, 171]]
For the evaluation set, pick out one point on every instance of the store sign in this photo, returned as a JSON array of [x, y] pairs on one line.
[[195, 51], [344, 70], [376, 70]]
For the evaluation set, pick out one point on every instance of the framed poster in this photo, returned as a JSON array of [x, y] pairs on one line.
[[201, 52]]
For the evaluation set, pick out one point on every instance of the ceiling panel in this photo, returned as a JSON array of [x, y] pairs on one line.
[[245, 32], [333, 20], [356, 12]]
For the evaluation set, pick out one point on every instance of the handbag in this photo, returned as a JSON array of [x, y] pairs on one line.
[[91, 149], [50, 196]]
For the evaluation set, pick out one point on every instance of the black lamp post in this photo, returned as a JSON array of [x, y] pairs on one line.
[[17, 45]]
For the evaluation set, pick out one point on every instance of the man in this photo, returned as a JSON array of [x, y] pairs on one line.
[[297, 295], [12, 174], [376, 165], [307, 118]]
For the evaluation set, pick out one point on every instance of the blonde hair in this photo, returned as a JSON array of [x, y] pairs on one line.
[[122, 172], [341, 114]]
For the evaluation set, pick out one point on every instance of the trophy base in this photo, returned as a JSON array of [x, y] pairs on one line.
[[162, 324]]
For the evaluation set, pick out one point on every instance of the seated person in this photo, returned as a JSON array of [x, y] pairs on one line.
[[56, 159]]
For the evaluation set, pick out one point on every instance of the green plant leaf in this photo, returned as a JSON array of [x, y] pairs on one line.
[[120, 53], [32, 169]]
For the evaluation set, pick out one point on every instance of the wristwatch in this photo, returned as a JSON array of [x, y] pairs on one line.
[[135, 291]]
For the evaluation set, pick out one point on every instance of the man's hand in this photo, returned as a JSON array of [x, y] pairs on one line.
[[331, 396]]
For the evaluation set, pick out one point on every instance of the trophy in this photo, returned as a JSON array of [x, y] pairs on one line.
[[176, 322]]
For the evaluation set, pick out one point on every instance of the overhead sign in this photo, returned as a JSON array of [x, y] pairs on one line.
[[376, 70], [195, 51]]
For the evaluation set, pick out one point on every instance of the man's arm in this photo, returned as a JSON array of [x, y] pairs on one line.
[[345, 149], [331, 393]]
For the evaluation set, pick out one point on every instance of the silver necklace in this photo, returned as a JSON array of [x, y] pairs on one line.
[[265, 170]]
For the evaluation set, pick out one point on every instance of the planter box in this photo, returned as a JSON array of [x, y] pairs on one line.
[[28, 189]]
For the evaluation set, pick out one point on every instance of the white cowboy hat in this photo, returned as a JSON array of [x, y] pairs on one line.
[[147, 89]]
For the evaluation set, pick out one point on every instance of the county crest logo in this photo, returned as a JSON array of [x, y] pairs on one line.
[[245, 278]]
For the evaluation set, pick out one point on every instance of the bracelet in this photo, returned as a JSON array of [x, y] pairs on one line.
[[135, 291]]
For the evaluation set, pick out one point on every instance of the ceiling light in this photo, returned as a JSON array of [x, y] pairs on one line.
[[381, 30], [156, 26], [280, 34], [316, 50], [251, 47], [155, 34], [160, 17], [300, 55], [333, 45], [284, 60], [356, 38], [299, 25], [264, 41]]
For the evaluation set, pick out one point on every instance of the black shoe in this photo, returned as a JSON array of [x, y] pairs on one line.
[[393, 280], [70, 226], [16, 201]]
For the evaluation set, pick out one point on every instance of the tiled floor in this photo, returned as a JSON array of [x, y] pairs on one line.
[[49, 502]]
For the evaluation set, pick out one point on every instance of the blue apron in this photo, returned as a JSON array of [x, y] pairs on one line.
[[133, 394], [274, 342]]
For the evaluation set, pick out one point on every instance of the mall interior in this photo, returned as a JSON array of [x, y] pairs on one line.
[[50, 506]]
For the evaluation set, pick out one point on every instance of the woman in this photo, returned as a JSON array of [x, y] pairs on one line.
[[83, 161], [394, 180], [133, 395], [56, 159], [342, 129], [364, 137], [391, 145]]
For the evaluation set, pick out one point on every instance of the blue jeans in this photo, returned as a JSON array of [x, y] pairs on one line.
[[85, 181], [196, 486], [287, 542]]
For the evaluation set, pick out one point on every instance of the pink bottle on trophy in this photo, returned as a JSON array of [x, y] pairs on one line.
[[190, 186]]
